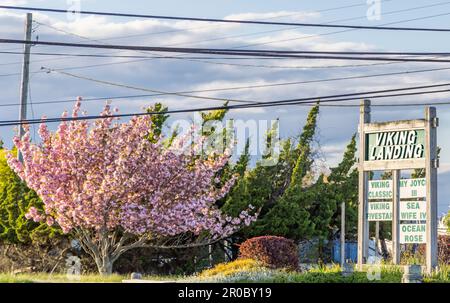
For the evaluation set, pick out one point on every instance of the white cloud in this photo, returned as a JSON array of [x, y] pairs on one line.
[[13, 2], [99, 27], [444, 167], [290, 15]]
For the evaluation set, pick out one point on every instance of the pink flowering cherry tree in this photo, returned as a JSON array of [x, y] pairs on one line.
[[114, 190]]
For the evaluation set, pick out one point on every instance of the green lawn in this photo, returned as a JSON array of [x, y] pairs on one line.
[[242, 273], [63, 278]]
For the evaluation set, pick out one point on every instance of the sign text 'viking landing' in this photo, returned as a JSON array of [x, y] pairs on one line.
[[395, 145]]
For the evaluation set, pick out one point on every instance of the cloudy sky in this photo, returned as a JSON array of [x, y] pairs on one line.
[[336, 125]]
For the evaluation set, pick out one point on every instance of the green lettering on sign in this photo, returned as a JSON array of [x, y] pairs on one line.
[[412, 233], [379, 211], [395, 145], [409, 188]]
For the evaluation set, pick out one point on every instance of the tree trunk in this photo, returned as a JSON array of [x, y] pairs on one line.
[[384, 250], [104, 265]]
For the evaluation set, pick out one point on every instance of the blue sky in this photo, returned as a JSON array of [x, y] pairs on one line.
[[336, 125]]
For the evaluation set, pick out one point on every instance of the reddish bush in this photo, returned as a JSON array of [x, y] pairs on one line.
[[443, 249], [272, 251]]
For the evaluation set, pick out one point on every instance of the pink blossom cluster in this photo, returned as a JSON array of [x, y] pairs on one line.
[[108, 175]]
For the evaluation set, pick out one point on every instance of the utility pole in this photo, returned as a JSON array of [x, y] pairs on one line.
[[25, 77], [363, 224], [342, 234]]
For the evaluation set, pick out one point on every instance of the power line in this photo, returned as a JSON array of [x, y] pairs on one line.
[[298, 103], [279, 16], [52, 10], [241, 51], [64, 55], [152, 95], [208, 62], [128, 56], [222, 89], [220, 63], [242, 35], [142, 89], [228, 51], [307, 100], [344, 31], [216, 89], [247, 86], [181, 57], [251, 53], [260, 65]]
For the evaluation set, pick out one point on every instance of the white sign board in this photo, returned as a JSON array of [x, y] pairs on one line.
[[379, 211], [409, 188], [413, 210], [412, 233], [409, 211]]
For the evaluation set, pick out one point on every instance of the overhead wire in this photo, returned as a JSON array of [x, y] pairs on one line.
[[252, 53], [146, 16], [296, 101], [184, 93], [264, 66]]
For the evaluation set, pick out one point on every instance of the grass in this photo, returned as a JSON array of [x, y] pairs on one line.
[[443, 275], [245, 271], [324, 274], [63, 278]]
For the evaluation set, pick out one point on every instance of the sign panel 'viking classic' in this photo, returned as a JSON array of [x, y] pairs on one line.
[[395, 145]]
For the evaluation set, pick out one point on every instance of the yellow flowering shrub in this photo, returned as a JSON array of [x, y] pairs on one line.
[[230, 268]]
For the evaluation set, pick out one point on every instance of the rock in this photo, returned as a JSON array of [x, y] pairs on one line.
[[347, 270], [136, 276], [23, 270], [412, 274]]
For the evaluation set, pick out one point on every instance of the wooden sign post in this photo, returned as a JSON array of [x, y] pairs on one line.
[[395, 146], [432, 163], [363, 223]]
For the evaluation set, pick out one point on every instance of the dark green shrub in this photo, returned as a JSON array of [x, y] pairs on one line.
[[272, 251]]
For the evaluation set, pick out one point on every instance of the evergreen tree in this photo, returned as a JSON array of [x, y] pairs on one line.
[[278, 191], [343, 186], [158, 121], [290, 216], [447, 221], [15, 200]]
